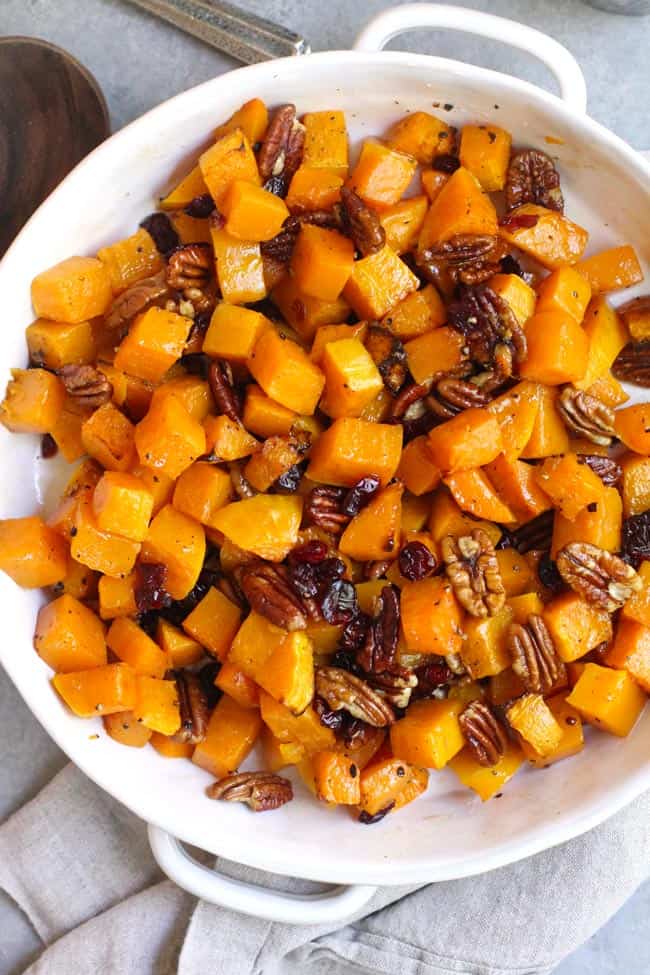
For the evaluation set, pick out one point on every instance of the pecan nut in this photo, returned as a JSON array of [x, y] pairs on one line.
[[134, 300], [468, 258], [598, 576], [533, 178], [636, 316], [411, 396], [194, 710], [267, 589], [323, 508], [341, 690], [361, 223], [473, 571], [533, 654], [534, 535], [483, 732], [395, 686], [281, 151], [452, 395], [88, 386], [586, 416], [389, 355], [261, 791], [379, 649], [608, 470], [223, 389], [189, 266], [632, 364], [487, 322]]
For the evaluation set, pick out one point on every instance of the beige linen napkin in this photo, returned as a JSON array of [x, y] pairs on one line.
[[78, 865]]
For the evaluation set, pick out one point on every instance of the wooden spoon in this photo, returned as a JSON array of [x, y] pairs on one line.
[[52, 113]]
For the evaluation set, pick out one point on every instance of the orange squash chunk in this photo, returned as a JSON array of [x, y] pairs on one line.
[[313, 189], [553, 240], [446, 518], [57, 344], [471, 439], [632, 426], [169, 439], [131, 259], [352, 448], [100, 550], [232, 731], [431, 617], [429, 734], [238, 686], [202, 490], [326, 141], [33, 401], [226, 439], [378, 283], [230, 158], [403, 221], [352, 379], [255, 641], [549, 435], [322, 262], [116, 596], [32, 553], [233, 332], [179, 543], [631, 651], [419, 312], [66, 433], [421, 135], [519, 295], [570, 484], [572, 740], [279, 754], [374, 533], [417, 780], [305, 313], [516, 486], [637, 607], [600, 526], [608, 389], [416, 469], [124, 729], [277, 456], [68, 636], [267, 524], [558, 349], [484, 650], [251, 212], [381, 175], [288, 672], [190, 186], [516, 572], [333, 333], [606, 334], [460, 207], [532, 718], [433, 182], [108, 689], [438, 350], [576, 626], [612, 269], [285, 372], [169, 747], [485, 152], [240, 269], [160, 486], [156, 704], [304, 728], [134, 647], [252, 118], [264, 416], [72, 291], [122, 505], [78, 581], [193, 392], [635, 486], [474, 493], [182, 650], [108, 436], [213, 623], [516, 412], [381, 782], [337, 778], [486, 782], [564, 290], [609, 699], [155, 341]]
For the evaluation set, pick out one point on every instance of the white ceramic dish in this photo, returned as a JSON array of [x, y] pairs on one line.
[[449, 833]]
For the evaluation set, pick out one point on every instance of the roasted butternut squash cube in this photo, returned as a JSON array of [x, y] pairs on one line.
[[108, 689], [635, 486], [336, 778], [514, 482], [576, 626], [326, 141], [485, 153], [474, 493], [558, 349], [190, 230], [238, 686], [33, 401], [277, 456], [69, 636], [486, 782], [233, 332], [382, 781], [572, 741], [446, 518], [131, 259], [264, 416], [227, 439], [517, 573], [422, 136], [375, 532], [609, 699], [286, 373], [352, 379], [122, 505], [612, 269], [353, 448], [32, 553], [429, 734], [609, 390], [102, 551], [213, 622], [525, 605], [178, 542], [168, 439], [631, 650], [314, 189], [155, 341], [192, 391], [201, 490], [287, 727], [416, 469], [57, 344], [431, 617], [322, 262], [379, 282], [564, 290], [252, 118], [606, 335], [132, 645], [471, 439], [599, 524], [382, 175], [256, 640], [280, 754], [460, 207], [485, 649], [549, 436], [108, 437], [517, 293], [531, 717], [403, 221], [160, 486], [251, 212], [325, 334], [190, 186], [571, 485], [169, 747], [516, 411], [288, 672], [232, 731], [304, 312], [632, 426], [267, 524], [230, 158], [240, 269], [432, 182], [79, 581], [181, 649], [72, 291], [419, 312], [66, 434], [638, 605], [156, 704], [117, 596], [125, 730], [438, 349], [548, 236]]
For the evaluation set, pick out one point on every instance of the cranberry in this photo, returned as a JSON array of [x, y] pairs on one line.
[[359, 495], [304, 580], [354, 633], [312, 552], [430, 678], [445, 163], [368, 820], [48, 446], [339, 605], [159, 226], [416, 561], [151, 587], [201, 206], [328, 718], [548, 574], [289, 482]]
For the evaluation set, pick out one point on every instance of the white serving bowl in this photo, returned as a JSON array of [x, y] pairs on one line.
[[448, 833]]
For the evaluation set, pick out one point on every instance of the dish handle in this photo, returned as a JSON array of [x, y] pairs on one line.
[[411, 16], [333, 905]]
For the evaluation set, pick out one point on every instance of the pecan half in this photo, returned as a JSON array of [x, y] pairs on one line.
[[473, 570], [323, 508], [533, 178], [408, 397], [395, 686], [223, 389], [261, 791], [267, 589], [636, 316], [586, 416], [86, 385], [189, 266], [194, 709], [134, 300], [361, 223], [281, 151], [607, 469], [533, 654], [484, 734], [468, 258], [452, 395], [389, 355], [379, 649], [535, 534], [341, 690], [598, 576], [487, 321], [632, 364]]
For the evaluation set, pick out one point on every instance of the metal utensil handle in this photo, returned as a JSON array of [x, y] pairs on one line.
[[243, 35]]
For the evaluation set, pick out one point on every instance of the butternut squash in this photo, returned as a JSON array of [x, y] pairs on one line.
[[182, 649], [321, 262], [378, 282], [72, 291], [57, 344], [33, 401], [419, 312], [69, 637], [471, 439], [213, 623], [108, 689], [351, 449], [460, 207], [429, 734], [548, 236], [431, 617], [485, 153], [381, 175], [32, 553], [132, 645], [178, 542], [238, 686], [609, 699], [156, 704], [201, 490], [286, 373], [251, 212], [109, 437], [169, 439], [422, 136], [612, 269], [122, 505], [155, 341], [576, 626], [230, 158], [374, 533], [267, 524], [558, 349]]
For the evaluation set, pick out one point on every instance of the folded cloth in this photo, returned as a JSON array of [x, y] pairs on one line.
[[78, 865]]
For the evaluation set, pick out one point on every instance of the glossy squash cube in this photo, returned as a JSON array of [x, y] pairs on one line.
[[572, 741], [108, 689], [532, 719], [182, 649], [74, 290], [32, 553], [108, 436], [213, 623], [429, 734], [485, 650], [156, 704], [169, 439], [576, 626], [33, 401], [122, 505], [609, 699], [286, 373], [155, 341], [233, 332], [132, 645], [231, 733], [57, 344], [378, 282], [201, 490], [487, 782], [352, 379], [178, 542], [68, 636]]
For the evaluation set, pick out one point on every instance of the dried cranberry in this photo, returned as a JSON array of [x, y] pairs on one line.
[[276, 185], [303, 580], [330, 719], [445, 163], [149, 623], [519, 221], [159, 226], [180, 608], [339, 605], [416, 561], [207, 675], [419, 426], [289, 482], [48, 446], [201, 206], [354, 633], [368, 820], [344, 661], [431, 677], [329, 570], [196, 364], [635, 545], [151, 587], [548, 574], [359, 495], [312, 552]]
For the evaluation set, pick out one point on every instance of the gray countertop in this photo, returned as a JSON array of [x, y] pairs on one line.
[[139, 62]]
